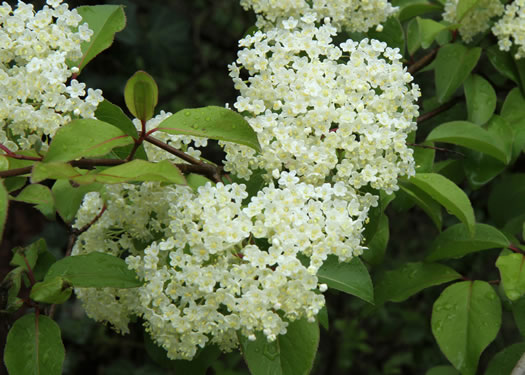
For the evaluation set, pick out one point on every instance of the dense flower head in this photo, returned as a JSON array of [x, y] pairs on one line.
[[330, 113], [476, 19], [35, 95], [350, 15], [510, 29], [214, 265]]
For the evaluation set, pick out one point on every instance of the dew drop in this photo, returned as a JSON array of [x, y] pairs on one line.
[[207, 119], [187, 113], [234, 126], [194, 126]]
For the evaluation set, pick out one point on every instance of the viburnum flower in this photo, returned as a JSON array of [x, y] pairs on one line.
[[36, 93], [328, 112], [350, 15], [510, 29], [476, 20], [214, 264]]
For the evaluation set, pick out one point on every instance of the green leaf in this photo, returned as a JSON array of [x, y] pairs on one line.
[[413, 37], [418, 8], [290, 354], [399, 284], [467, 134], [31, 254], [465, 319], [10, 287], [34, 346], [506, 198], [392, 34], [424, 201], [480, 168], [196, 180], [448, 194], [141, 95], [41, 197], [4, 206], [85, 138], [481, 99], [428, 30], [70, 198], [137, 170], [442, 370], [323, 318], [518, 311], [55, 290], [513, 111], [424, 157], [44, 171], [114, 115], [350, 277], [503, 62], [456, 242], [94, 270], [505, 361], [512, 273], [211, 122], [105, 21], [453, 64], [377, 245], [463, 7]]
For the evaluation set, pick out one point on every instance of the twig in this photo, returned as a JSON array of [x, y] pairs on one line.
[[172, 150], [438, 110], [75, 233], [422, 62]]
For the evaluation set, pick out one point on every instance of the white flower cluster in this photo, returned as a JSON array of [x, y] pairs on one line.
[[476, 20], [35, 97], [180, 142], [219, 266], [339, 113], [350, 15], [510, 29]]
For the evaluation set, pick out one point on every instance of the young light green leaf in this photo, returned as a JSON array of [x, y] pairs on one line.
[[463, 7], [211, 122], [11, 284], [85, 138], [465, 319], [456, 241], [43, 171], [34, 346], [399, 284], [29, 253], [105, 21], [41, 197], [4, 205], [141, 95], [290, 354], [94, 270], [505, 361], [512, 273], [481, 99], [428, 30], [453, 64], [506, 198], [136, 170], [424, 201], [196, 180], [70, 197], [467, 134], [55, 290], [448, 194], [350, 277]]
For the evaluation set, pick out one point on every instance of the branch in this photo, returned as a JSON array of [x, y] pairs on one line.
[[422, 62], [438, 110], [172, 150]]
